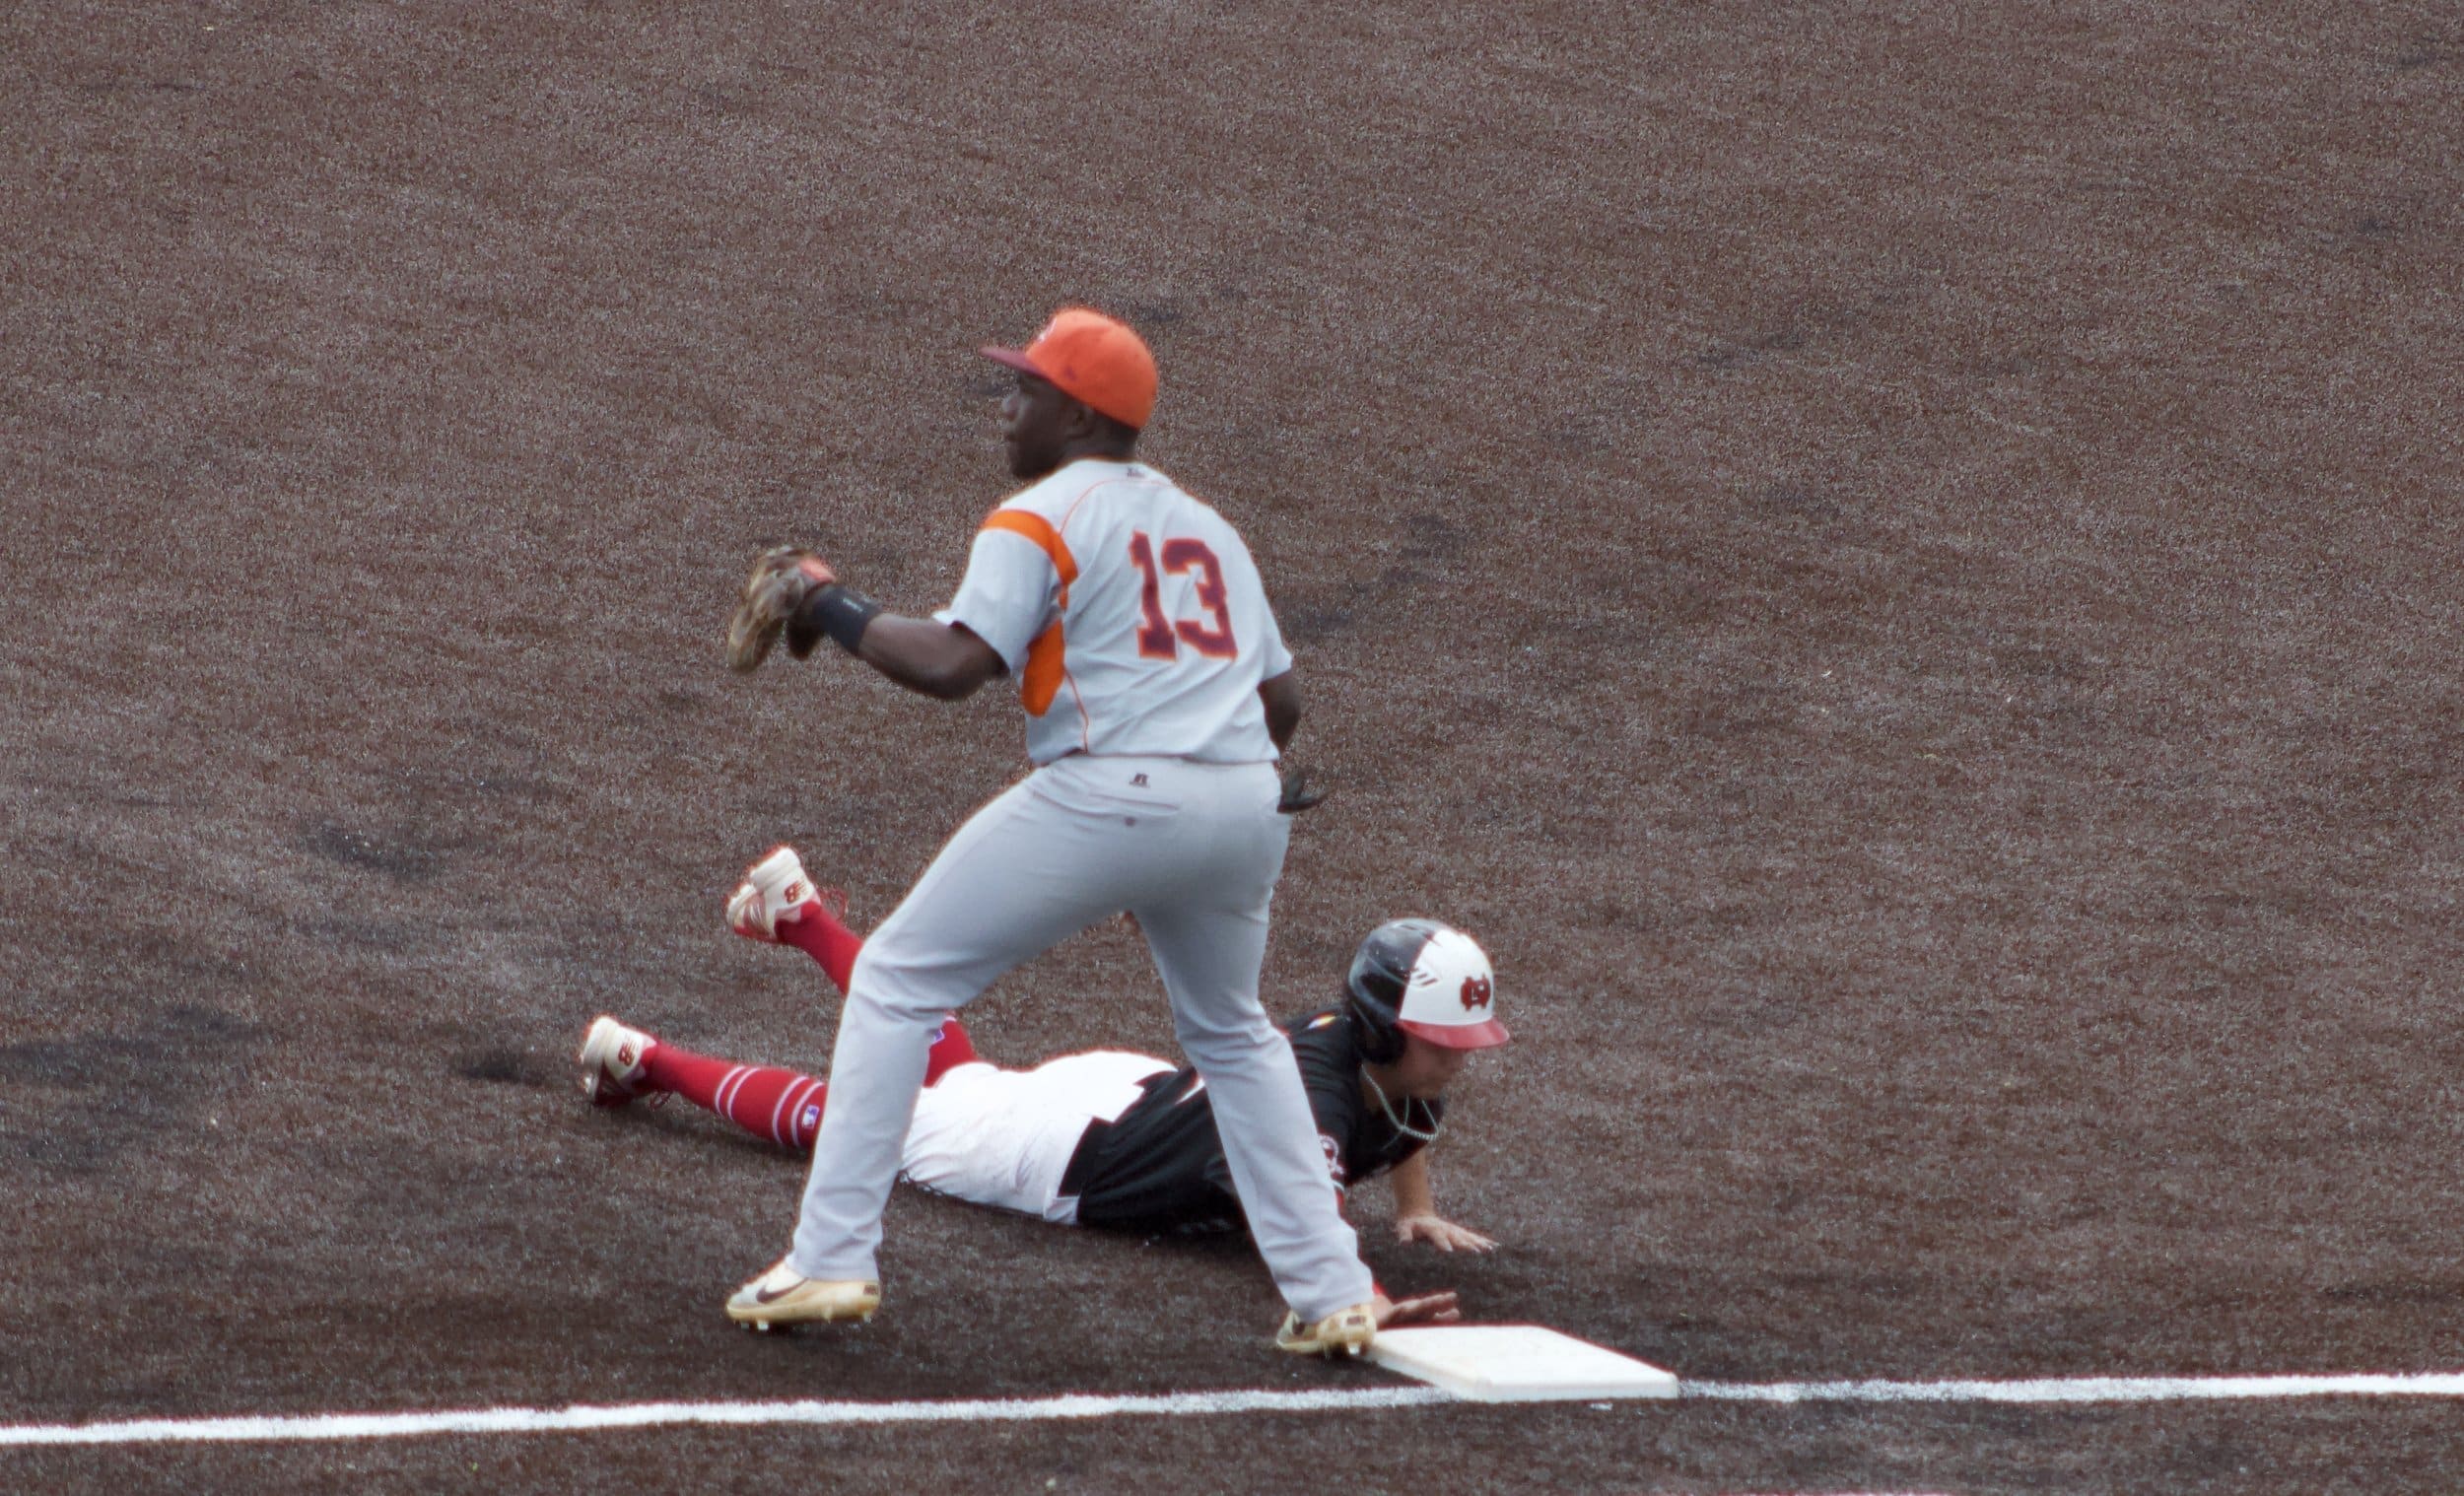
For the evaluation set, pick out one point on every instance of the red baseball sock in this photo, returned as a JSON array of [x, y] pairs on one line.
[[820, 935], [950, 1047], [780, 1105]]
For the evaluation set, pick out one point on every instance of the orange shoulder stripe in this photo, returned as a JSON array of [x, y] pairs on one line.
[[1042, 679], [1038, 529]]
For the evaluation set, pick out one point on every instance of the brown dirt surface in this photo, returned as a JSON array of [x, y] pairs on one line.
[[1897, 563]]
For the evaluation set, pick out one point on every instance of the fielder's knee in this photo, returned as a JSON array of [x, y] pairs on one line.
[[901, 991]]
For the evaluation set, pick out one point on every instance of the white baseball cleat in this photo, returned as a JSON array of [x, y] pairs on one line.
[[784, 1296], [1346, 1332], [611, 1060], [775, 889]]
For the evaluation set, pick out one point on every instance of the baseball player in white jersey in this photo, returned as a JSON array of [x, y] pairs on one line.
[[1109, 1140], [1159, 694]]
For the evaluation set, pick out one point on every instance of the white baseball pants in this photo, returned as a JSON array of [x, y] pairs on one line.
[[1006, 1138], [1193, 851]]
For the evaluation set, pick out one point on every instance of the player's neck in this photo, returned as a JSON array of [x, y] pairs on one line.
[[1382, 1090], [1375, 1079], [1096, 450]]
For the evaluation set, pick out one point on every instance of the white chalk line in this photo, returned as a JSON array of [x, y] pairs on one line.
[[2085, 1389], [582, 1417], [526, 1420]]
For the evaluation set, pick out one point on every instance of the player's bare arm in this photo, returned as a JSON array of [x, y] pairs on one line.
[[937, 659], [795, 594], [1281, 698], [1415, 1211]]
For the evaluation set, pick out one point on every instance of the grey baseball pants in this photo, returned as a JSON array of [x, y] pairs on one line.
[[1193, 851]]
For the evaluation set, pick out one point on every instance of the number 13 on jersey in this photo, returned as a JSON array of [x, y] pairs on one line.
[[1160, 637]]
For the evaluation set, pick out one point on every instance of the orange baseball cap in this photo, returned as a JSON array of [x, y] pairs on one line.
[[1095, 360]]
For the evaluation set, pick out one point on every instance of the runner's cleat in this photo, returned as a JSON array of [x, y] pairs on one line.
[[775, 889], [611, 1060]]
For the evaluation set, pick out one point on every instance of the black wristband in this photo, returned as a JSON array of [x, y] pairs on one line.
[[836, 610]]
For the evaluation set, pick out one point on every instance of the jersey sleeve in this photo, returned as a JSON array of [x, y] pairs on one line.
[[1009, 595], [1274, 658]]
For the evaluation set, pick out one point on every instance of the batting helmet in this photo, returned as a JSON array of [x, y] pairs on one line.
[[1423, 977]]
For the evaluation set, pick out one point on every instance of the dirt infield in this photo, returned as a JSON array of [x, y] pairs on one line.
[[1897, 564]]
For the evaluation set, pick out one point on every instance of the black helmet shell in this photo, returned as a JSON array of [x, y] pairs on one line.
[[1374, 992]]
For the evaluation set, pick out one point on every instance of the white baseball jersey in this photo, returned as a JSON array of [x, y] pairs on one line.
[[1131, 615]]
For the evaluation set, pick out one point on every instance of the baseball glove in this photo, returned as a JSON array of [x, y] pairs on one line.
[[782, 580]]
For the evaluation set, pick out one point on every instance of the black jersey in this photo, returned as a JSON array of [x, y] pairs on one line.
[[1160, 1166]]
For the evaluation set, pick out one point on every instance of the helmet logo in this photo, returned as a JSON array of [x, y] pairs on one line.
[[1475, 991]]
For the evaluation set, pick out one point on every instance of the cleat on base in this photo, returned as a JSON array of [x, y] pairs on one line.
[[1346, 1332]]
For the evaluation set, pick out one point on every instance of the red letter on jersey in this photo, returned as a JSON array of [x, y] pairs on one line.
[[1155, 630], [1158, 635], [1215, 642]]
